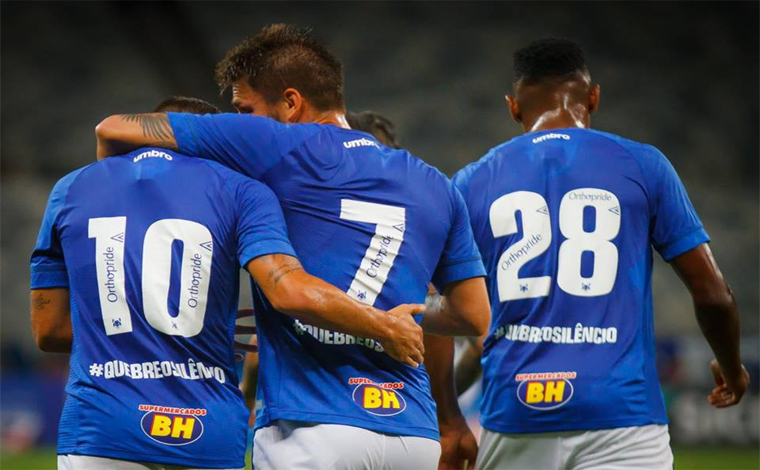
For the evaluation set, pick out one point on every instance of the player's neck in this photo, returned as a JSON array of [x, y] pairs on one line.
[[336, 118], [560, 117]]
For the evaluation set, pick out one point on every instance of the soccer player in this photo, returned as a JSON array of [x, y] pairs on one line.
[[382, 129], [459, 447], [566, 219], [135, 272], [372, 220]]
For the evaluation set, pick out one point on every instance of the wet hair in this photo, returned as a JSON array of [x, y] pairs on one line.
[[372, 123], [549, 59], [284, 56], [186, 104]]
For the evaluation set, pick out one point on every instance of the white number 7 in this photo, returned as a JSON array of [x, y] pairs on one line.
[[383, 248]]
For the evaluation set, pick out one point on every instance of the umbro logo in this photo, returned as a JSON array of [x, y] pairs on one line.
[[550, 136], [360, 143]]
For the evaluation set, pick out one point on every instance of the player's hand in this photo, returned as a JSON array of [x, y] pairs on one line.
[[459, 449], [728, 391], [404, 340]]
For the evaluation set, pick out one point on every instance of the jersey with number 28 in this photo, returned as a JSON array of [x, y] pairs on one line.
[[373, 221], [566, 221], [150, 246]]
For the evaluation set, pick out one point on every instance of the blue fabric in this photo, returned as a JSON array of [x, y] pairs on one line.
[[333, 185], [589, 330], [213, 220]]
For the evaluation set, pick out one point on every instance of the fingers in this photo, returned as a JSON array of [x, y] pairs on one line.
[[408, 309], [414, 309], [722, 397], [410, 362], [418, 357]]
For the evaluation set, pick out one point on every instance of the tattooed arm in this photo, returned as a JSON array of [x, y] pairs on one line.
[[294, 292], [123, 133], [51, 319]]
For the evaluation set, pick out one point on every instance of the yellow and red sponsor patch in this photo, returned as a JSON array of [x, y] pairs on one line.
[[172, 426], [545, 390], [380, 399]]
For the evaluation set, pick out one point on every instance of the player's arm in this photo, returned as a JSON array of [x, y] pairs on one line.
[[51, 320], [463, 303], [459, 449], [718, 318], [468, 370], [462, 309], [49, 282], [294, 292], [249, 382], [250, 145], [678, 235], [123, 133]]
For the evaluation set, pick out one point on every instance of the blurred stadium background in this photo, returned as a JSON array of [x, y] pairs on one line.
[[681, 76]]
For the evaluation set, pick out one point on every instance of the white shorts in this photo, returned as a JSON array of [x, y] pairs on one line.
[[296, 445], [632, 448], [87, 462]]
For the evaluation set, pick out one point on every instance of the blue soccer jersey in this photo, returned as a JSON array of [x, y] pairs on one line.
[[566, 221], [373, 221], [150, 246]]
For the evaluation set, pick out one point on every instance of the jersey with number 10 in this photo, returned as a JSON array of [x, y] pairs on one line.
[[566, 221], [150, 246], [373, 221]]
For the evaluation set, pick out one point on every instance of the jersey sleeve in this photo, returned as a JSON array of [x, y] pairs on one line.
[[261, 228], [48, 268], [675, 226], [248, 144], [460, 258]]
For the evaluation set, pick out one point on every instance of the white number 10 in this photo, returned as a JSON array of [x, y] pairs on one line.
[[197, 255], [537, 236]]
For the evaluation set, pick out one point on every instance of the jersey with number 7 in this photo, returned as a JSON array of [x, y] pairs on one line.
[[566, 221], [374, 221], [150, 246]]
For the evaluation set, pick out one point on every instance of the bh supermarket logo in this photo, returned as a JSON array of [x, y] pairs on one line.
[[545, 391], [379, 399], [172, 426]]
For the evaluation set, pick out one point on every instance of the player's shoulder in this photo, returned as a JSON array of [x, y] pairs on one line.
[[636, 148], [231, 179], [64, 184]]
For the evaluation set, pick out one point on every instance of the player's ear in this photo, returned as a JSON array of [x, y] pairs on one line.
[[514, 108], [292, 105], [594, 98]]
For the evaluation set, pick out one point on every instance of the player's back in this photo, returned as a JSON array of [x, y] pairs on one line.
[[565, 221], [379, 224], [373, 221], [150, 248]]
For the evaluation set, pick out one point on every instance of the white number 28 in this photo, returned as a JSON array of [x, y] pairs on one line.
[[537, 236]]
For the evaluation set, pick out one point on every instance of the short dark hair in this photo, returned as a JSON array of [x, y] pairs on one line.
[[373, 123], [549, 59], [186, 104], [283, 56]]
